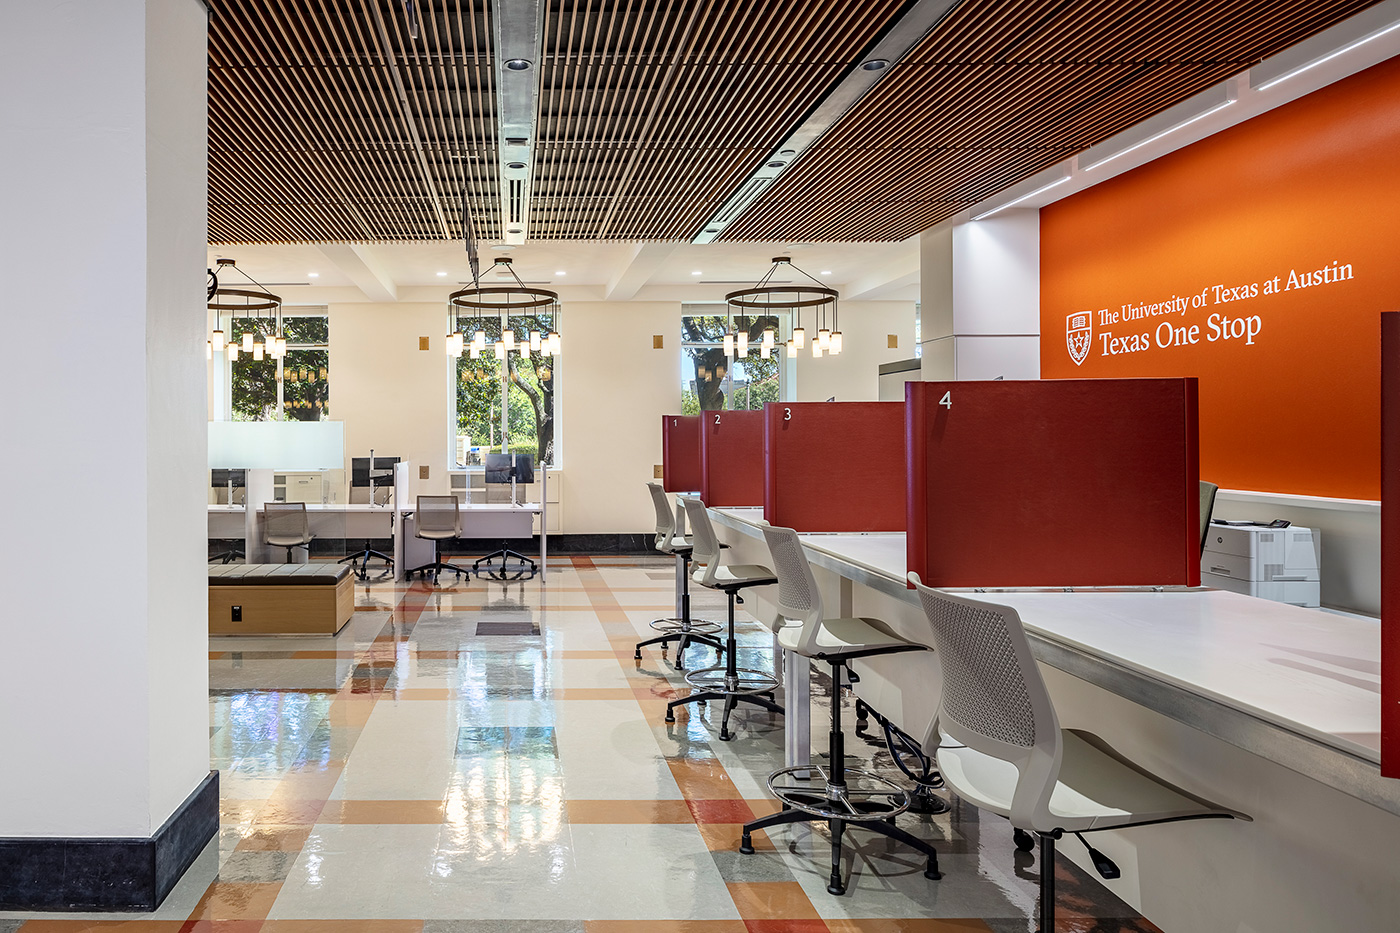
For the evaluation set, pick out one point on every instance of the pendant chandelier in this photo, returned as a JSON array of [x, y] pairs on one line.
[[473, 303], [820, 302], [262, 302]]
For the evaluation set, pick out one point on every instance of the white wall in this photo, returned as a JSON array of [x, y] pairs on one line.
[[391, 395], [854, 376], [106, 732]]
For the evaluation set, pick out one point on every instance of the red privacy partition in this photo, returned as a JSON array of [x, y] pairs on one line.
[[1064, 482], [834, 466], [1390, 544], [731, 458], [680, 453]]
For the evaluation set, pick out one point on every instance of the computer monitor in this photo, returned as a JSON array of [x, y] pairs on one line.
[[502, 468], [383, 471], [219, 479]]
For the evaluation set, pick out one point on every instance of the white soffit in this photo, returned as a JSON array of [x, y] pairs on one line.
[[516, 27]]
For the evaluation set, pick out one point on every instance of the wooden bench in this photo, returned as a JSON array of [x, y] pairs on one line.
[[279, 599]]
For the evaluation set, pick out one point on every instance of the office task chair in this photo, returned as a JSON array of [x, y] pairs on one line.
[[285, 524], [728, 682], [502, 472], [437, 519], [1003, 748], [364, 489], [1208, 491], [683, 629], [839, 795]]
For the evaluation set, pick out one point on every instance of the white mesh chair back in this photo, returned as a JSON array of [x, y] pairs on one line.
[[799, 600], [437, 517], [286, 523], [702, 535], [1208, 491], [994, 700], [665, 518]]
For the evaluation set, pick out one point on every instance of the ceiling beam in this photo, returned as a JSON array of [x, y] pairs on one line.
[[897, 273], [362, 267], [516, 30], [643, 260]]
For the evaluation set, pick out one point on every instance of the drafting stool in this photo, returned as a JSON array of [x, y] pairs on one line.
[[1002, 748], [683, 629], [285, 524], [838, 795], [728, 682]]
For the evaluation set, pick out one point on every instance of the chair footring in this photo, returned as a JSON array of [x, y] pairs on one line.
[[744, 680], [866, 797], [680, 626]]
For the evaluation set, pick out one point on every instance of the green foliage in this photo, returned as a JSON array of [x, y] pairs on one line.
[[754, 380], [530, 396]]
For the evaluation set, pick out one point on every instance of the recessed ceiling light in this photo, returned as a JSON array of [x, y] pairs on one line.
[[560, 272], [788, 152], [515, 166], [826, 272], [875, 64], [503, 247], [440, 274], [313, 275], [517, 64], [776, 164], [696, 272]]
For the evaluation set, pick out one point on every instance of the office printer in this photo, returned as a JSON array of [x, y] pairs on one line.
[[1259, 560]]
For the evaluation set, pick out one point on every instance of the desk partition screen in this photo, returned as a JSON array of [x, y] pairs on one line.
[[680, 453], [1074, 482], [834, 466], [731, 458]]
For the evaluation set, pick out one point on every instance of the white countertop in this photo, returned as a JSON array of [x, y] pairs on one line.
[[1306, 670]]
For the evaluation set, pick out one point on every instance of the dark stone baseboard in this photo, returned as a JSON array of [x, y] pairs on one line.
[[47, 873], [610, 544]]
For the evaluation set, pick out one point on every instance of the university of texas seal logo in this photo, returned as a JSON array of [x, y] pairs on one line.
[[1079, 335]]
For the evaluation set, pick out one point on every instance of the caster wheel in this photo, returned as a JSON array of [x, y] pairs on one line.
[[746, 845], [1024, 840]]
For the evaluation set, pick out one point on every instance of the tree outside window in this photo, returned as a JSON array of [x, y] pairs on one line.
[[712, 380], [528, 391], [294, 388]]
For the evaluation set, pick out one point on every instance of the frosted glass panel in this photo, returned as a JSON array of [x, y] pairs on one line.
[[277, 445]]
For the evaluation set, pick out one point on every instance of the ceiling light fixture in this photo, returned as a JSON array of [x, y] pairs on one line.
[[517, 64], [539, 307], [1023, 198], [253, 340], [1337, 53], [875, 64], [759, 306], [313, 275], [1091, 163]]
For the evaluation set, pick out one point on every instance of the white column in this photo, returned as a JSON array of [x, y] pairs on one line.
[[980, 293], [103, 710]]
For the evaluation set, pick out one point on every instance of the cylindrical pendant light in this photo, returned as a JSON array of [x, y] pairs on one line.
[[208, 349], [791, 349], [835, 342], [799, 338], [764, 351], [216, 341], [534, 341], [258, 352], [500, 350], [232, 352], [248, 342], [509, 337], [555, 344], [816, 350], [729, 344], [824, 339]]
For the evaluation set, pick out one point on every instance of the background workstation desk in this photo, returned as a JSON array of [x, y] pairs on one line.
[[352, 522], [1268, 708]]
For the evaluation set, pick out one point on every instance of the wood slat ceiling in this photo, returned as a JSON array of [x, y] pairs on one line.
[[652, 112], [1002, 90], [311, 141]]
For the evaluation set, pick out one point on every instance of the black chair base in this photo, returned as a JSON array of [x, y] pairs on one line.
[[505, 571], [685, 637], [363, 559], [438, 565], [761, 700]]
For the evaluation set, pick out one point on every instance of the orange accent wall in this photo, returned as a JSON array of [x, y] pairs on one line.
[[1290, 400]]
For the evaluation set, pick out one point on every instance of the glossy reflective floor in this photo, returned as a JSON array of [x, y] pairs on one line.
[[490, 758]]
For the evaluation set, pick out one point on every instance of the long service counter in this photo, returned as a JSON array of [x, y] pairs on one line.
[[1269, 708]]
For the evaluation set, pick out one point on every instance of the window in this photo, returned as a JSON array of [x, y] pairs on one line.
[[525, 385], [710, 380], [294, 388]]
